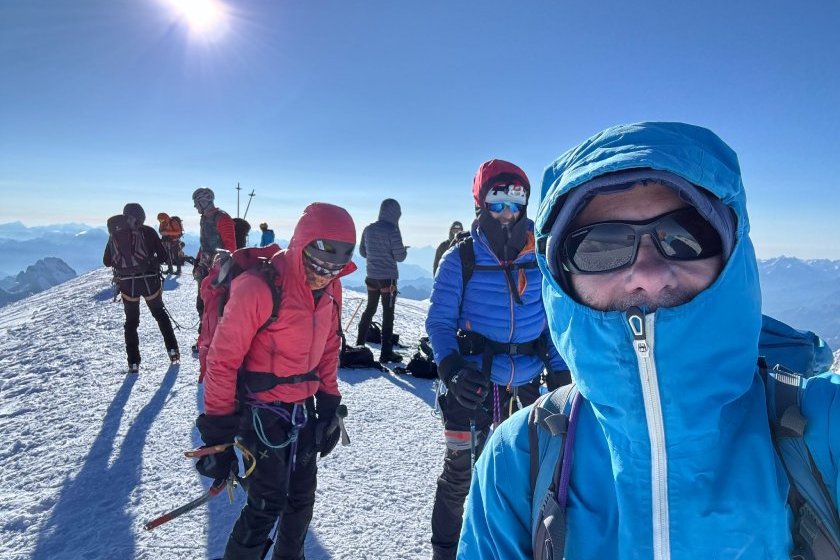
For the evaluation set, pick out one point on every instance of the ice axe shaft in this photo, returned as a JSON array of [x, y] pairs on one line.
[[341, 414]]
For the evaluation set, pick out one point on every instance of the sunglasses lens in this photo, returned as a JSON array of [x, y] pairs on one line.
[[686, 236], [499, 207], [682, 235], [601, 248]]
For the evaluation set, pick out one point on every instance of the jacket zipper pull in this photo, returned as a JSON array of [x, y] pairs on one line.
[[636, 320]]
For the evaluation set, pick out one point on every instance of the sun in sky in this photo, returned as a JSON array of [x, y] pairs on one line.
[[205, 18]]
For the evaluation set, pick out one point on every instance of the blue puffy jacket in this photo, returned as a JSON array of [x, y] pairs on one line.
[[673, 456], [490, 310]]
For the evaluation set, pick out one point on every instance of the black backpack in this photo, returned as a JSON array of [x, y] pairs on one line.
[[356, 357], [129, 253], [422, 363], [374, 335]]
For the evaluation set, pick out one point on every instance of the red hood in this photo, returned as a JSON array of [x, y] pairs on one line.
[[323, 221], [492, 169]]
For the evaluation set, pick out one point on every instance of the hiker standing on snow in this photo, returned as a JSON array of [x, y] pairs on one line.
[[171, 230], [488, 334], [653, 295], [135, 252], [282, 379], [267, 235], [217, 231], [241, 229], [383, 248], [454, 230]]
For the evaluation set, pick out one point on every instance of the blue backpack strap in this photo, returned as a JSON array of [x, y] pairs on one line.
[[556, 413], [816, 532]]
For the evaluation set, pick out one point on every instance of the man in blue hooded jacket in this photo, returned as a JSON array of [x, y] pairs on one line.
[[489, 335], [652, 294]]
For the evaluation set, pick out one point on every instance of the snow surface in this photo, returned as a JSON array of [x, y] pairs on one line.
[[90, 453]]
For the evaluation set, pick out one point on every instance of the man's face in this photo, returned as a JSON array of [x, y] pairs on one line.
[[652, 280], [198, 207], [506, 217]]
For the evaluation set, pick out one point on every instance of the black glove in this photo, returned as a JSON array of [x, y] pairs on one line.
[[466, 383], [217, 430], [556, 379], [327, 431]]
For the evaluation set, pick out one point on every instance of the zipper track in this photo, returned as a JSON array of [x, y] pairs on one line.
[[642, 327]]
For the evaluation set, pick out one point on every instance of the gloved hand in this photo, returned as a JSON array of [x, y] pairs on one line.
[[327, 430], [556, 379], [200, 270], [216, 430], [466, 383]]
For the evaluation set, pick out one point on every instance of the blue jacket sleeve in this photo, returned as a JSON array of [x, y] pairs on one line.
[[821, 406], [442, 319], [497, 514], [398, 250], [362, 250]]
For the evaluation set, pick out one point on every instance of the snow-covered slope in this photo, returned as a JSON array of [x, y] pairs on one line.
[[90, 453]]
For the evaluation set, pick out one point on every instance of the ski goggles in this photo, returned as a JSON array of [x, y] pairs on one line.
[[499, 207], [320, 267], [679, 235]]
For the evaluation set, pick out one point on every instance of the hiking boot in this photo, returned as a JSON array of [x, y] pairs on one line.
[[389, 356], [174, 356], [133, 368]]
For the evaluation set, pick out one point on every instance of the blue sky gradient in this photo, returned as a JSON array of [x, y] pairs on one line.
[[109, 101]]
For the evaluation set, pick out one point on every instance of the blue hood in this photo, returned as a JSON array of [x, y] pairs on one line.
[[678, 424]]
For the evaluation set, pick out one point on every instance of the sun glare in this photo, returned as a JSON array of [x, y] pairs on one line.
[[204, 17]]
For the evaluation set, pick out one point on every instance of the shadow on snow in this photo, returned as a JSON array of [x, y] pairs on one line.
[[91, 513]]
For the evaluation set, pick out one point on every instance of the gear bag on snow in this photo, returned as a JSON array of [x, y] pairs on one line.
[[356, 357], [129, 254], [374, 335], [215, 291], [816, 527], [422, 363]]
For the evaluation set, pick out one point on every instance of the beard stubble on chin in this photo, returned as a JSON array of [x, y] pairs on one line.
[[666, 298]]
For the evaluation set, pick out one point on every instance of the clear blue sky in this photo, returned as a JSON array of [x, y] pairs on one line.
[[108, 101]]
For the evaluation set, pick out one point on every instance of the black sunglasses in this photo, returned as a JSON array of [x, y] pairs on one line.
[[679, 235]]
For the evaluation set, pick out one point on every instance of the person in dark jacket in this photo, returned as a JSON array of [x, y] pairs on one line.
[[489, 337], [454, 230], [144, 284], [217, 231], [267, 235], [382, 246]]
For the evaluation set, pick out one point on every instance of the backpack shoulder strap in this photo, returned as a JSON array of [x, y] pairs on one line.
[[467, 253], [268, 272], [816, 523], [551, 411]]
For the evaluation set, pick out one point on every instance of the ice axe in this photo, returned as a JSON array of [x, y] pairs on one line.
[[341, 414]]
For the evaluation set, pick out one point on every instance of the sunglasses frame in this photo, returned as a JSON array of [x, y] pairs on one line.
[[640, 229]]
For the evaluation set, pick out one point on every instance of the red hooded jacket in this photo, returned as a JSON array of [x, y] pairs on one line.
[[305, 335]]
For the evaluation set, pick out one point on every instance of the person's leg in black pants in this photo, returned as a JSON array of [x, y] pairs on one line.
[[367, 315], [159, 313], [132, 322], [454, 482], [389, 299], [300, 501]]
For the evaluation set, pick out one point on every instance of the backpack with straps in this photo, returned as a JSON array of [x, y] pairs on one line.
[[129, 254], [816, 529], [215, 291]]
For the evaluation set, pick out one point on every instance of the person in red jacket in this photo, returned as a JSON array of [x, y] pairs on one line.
[[278, 389], [217, 231]]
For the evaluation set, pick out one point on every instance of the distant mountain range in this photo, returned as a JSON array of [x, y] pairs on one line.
[[45, 273], [803, 293]]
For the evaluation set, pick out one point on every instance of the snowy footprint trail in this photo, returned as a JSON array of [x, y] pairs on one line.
[[90, 453]]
